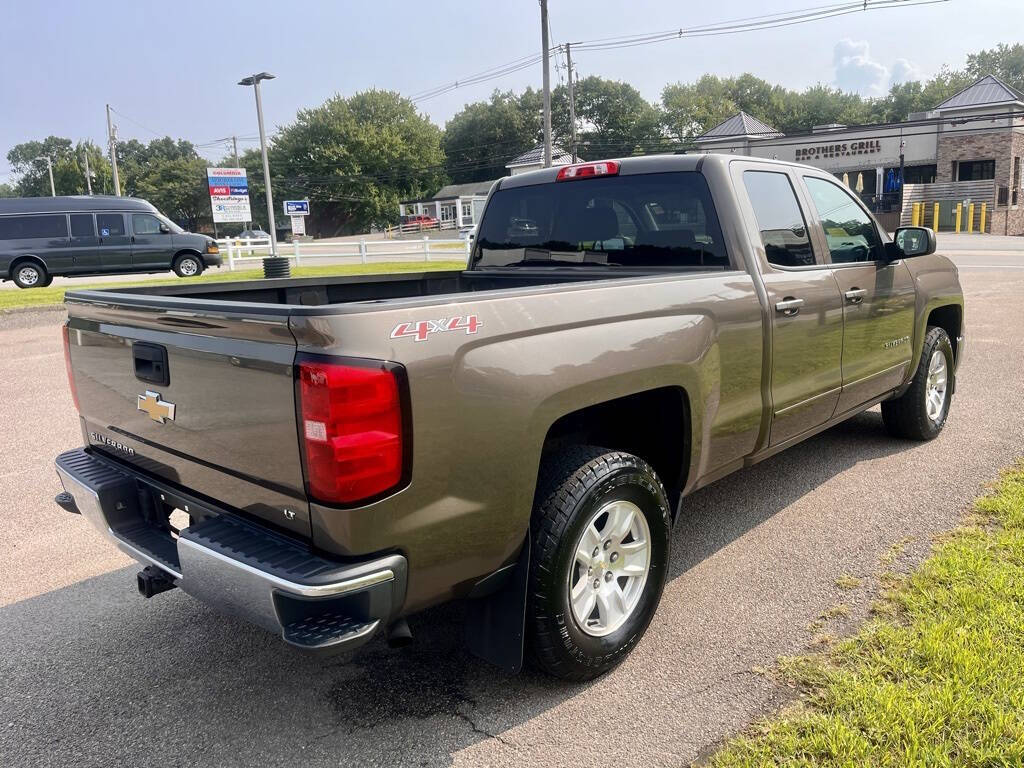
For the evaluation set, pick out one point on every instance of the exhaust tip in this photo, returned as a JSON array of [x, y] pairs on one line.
[[399, 634]]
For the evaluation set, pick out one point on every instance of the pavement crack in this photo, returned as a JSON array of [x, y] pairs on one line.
[[482, 731]]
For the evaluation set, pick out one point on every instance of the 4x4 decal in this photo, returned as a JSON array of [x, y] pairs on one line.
[[421, 329]]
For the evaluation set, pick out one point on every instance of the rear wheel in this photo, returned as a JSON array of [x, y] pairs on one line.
[[920, 413], [600, 554], [188, 265], [30, 274]]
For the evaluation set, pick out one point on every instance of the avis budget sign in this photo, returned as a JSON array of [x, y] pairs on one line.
[[229, 194]]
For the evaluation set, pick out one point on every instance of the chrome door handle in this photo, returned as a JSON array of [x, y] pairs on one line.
[[855, 295], [789, 306]]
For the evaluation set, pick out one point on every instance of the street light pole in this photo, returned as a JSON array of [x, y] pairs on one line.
[[49, 168], [112, 143], [88, 175], [572, 103], [547, 81], [254, 81]]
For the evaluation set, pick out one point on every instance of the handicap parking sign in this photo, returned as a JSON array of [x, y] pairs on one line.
[[104, 231]]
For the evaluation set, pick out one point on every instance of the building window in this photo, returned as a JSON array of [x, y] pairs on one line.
[[447, 213], [976, 170], [1016, 180], [467, 210]]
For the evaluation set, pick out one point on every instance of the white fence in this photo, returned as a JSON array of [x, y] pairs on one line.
[[245, 252]]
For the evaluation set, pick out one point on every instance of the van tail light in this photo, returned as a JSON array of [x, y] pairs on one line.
[[67, 366], [588, 170], [354, 428]]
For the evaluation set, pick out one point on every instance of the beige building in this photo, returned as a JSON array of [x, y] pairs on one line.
[[967, 149]]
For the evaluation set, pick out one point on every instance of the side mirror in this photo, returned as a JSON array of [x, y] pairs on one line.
[[914, 241], [165, 229]]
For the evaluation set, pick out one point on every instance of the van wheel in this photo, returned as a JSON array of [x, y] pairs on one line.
[[30, 274], [920, 413], [601, 536], [188, 265]]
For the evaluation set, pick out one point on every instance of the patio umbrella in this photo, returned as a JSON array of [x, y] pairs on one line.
[[860, 182], [846, 179]]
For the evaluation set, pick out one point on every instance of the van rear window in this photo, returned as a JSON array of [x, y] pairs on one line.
[[27, 227], [646, 220]]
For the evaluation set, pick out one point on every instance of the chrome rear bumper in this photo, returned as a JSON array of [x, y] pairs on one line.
[[235, 566]]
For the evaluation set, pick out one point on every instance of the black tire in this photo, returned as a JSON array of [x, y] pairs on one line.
[[188, 265], [574, 485], [907, 416], [47, 282], [30, 274]]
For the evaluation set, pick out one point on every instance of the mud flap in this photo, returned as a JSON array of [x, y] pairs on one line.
[[495, 625]]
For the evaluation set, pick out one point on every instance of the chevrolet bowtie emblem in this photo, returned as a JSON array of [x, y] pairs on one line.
[[158, 410]]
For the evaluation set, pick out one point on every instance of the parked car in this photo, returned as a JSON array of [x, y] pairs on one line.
[[253, 234], [418, 222], [41, 237], [325, 457]]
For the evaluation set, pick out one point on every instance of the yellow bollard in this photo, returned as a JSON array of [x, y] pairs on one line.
[[915, 212], [959, 211], [970, 217], [935, 218], [981, 224]]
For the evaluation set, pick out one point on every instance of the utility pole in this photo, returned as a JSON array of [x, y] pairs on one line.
[[547, 81], [112, 140], [572, 103], [49, 168], [234, 143], [88, 176]]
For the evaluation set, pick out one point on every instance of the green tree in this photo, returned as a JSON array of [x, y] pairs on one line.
[[6, 190], [355, 158], [690, 109], [68, 167], [612, 119], [178, 188], [485, 135], [1004, 61]]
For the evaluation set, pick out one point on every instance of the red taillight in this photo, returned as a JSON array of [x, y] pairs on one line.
[[67, 366], [352, 430], [587, 170]]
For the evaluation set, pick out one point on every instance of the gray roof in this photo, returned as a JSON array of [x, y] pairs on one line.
[[740, 124], [451, 191], [66, 203], [988, 90], [535, 156]]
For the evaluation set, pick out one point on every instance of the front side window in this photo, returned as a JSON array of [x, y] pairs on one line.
[[110, 224], [782, 226], [621, 221], [31, 227], [145, 224], [849, 231]]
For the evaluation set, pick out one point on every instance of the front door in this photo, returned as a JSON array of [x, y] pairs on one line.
[[878, 296], [805, 307], [151, 244], [84, 243], [115, 245]]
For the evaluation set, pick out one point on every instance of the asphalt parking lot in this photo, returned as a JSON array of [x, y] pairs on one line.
[[92, 674]]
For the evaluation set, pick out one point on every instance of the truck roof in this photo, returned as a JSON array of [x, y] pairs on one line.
[[66, 203]]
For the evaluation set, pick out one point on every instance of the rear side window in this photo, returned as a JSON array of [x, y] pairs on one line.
[[645, 220], [28, 227], [783, 229], [81, 225], [110, 224]]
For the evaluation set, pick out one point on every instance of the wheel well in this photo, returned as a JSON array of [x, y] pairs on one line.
[[948, 319], [187, 252], [22, 260], [654, 425]]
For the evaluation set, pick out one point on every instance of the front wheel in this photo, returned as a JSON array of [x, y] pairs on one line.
[[188, 266], [601, 533], [29, 274], [920, 413]]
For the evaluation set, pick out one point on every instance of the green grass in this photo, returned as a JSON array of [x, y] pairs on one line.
[[41, 297], [936, 679]]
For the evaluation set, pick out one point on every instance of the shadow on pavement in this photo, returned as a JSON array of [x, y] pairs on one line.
[[94, 675]]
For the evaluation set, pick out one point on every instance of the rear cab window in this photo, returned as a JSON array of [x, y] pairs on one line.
[[654, 220]]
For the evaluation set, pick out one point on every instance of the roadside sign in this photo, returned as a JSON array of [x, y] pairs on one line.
[[298, 225], [229, 194], [296, 207]]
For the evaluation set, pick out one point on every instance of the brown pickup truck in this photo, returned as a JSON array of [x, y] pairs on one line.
[[326, 456]]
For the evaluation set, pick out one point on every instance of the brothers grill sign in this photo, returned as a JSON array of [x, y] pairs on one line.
[[817, 151]]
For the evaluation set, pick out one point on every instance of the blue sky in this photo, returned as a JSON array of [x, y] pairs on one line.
[[171, 67]]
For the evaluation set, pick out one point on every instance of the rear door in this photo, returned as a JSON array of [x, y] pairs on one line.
[[115, 244], [804, 302], [205, 401], [84, 243], [151, 247], [878, 295]]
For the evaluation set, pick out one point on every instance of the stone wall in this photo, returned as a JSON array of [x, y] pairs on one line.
[[1000, 146]]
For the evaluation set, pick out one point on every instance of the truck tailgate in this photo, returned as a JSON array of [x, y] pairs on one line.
[[205, 400]]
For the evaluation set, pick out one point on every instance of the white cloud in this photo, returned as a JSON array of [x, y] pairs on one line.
[[857, 71]]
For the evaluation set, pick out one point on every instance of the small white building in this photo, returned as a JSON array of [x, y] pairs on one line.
[[454, 206], [533, 159]]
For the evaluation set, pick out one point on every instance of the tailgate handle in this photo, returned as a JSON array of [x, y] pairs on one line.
[[151, 363]]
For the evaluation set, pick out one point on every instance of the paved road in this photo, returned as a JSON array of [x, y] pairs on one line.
[[94, 675]]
